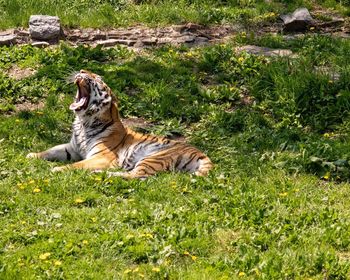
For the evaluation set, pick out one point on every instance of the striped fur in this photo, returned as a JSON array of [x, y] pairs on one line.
[[100, 140]]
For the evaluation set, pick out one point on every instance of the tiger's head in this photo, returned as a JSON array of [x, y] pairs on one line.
[[93, 95]]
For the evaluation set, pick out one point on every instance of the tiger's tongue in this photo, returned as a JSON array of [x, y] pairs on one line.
[[78, 104]]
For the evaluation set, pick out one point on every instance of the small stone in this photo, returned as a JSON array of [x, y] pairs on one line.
[[256, 50], [165, 40], [126, 42], [42, 27], [201, 41], [333, 23], [40, 44], [185, 39], [149, 41], [7, 40], [108, 43], [299, 20]]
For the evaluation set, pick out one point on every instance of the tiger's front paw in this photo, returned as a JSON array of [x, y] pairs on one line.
[[33, 155], [58, 169]]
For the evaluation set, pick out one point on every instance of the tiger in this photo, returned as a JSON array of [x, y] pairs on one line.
[[100, 141]]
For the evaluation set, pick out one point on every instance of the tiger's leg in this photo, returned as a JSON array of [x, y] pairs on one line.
[[94, 163], [61, 152]]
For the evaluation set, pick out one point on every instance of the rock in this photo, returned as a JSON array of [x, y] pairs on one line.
[[165, 40], [264, 51], [299, 20], [40, 44], [336, 21], [149, 41], [185, 39], [108, 43], [7, 40], [44, 28], [201, 41]]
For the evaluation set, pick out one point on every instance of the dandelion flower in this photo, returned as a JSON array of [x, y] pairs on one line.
[[44, 256], [57, 263], [193, 258], [241, 274], [79, 200], [186, 253], [327, 176], [36, 190], [283, 194], [126, 271]]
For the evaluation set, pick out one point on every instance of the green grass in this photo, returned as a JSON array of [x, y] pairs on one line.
[[113, 13], [276, 206]]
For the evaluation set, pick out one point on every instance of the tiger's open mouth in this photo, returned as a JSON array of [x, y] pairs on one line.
[[83, 95]]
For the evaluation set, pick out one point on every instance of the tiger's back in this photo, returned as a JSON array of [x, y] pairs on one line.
[[160, 154]]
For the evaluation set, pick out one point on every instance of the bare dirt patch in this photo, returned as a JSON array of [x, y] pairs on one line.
[[18, 73], [29, 106]]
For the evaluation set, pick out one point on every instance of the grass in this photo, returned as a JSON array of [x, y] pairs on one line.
[[276, 205], [114, 13]]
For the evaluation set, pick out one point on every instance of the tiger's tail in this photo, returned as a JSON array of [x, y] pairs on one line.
[[205, 165]]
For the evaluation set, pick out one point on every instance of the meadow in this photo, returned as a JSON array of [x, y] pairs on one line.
[[115, 13], [276, 206]]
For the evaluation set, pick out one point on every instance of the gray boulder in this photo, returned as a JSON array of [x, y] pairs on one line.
[[44, 28], [299, 20], [7, 40]]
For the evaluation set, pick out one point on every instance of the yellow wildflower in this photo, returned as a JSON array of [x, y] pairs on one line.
[[327, 176], [17, 120], [193, 258], [156, 269], [240, 59], [136, 269], [85, 242], [241, 274], [186, 253], [283, 194], [44, 256], [57, 263], [79, 200], [36, 190]]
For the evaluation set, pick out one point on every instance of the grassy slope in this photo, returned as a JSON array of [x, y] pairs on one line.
[[106, 13], [276, 205]]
